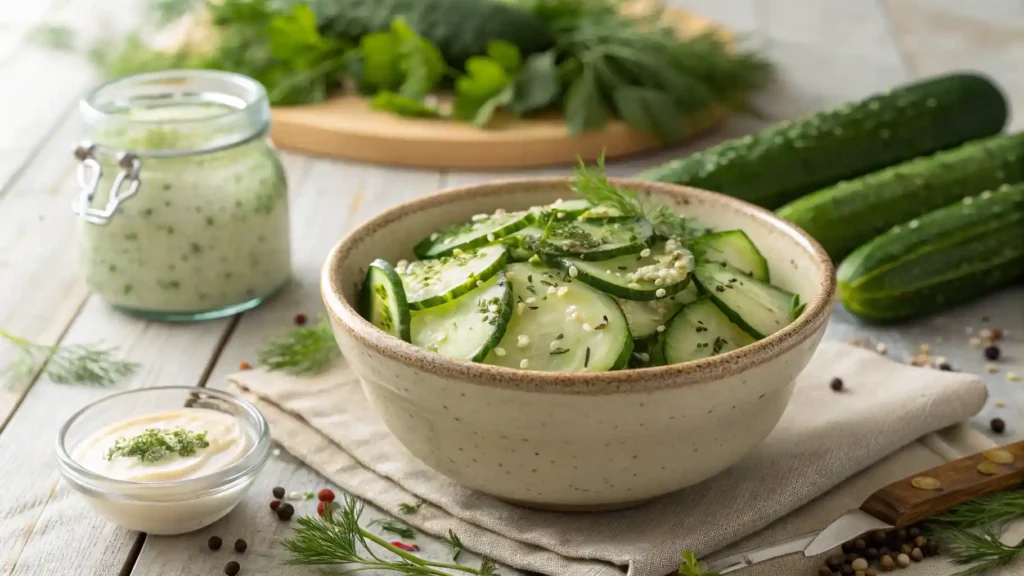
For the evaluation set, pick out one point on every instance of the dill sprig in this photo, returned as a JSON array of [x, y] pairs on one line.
[[395, 527], [406, 508], [981, 548], [692, 567], [992, 510], [454, 544], [303, 350], [591, 183], [337, 539], [75, 364], [154, 444]]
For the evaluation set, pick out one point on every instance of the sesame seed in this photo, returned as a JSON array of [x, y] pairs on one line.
[[479, 217], [660, 293], [574, 271], [645, 252], [499, 212], [633, 285], [587, 327], [985, 334], [458, 252], [974, 342], [524, 363], [522, 341], [492, 308], [434, 236], [881, 348], [659, 281], [499, 351], [490, 237], [551, 290], [520, 308], [913, 224], [969, 200], [661, 328], [402, 264], [1012, 377], [561, 215], [553, 345], [991, 368], [574, 315], [999, 404], [531, 300], [479, 283], [562, 290]]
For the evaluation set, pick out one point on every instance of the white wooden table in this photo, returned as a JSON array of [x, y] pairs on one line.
[[826, 52]]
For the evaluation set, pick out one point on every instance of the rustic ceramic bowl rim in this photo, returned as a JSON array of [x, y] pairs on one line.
[[633, 380]]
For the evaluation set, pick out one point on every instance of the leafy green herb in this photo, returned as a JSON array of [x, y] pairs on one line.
[[454, 544], [993, 510], [154, 444], [537, 85], [339, 540], [395, 527], [691, 567], [796, 308], [304, 350], [981, 549], [75, 364], [406, 508], [487, 84], [399, 61], [403, 105]]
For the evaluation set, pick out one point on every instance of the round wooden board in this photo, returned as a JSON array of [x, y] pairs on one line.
[[347, 127]]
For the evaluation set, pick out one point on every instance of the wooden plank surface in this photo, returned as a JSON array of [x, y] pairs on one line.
[[825, 54]]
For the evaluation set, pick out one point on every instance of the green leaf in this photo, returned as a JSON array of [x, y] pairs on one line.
[[295, 37], [506, 54], [484, 80], [486, 111], [537, 85], [584, 109], [380, 62], [649, 110], [421, 61], [402, 105]]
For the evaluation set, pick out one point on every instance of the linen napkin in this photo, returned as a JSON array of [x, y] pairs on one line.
[[829, 451]]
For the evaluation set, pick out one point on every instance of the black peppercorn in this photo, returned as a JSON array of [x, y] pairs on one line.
[[285, 511], [834, 561], [931, 548], [232, 568], [824, 571], [901, 535], [883, 551], [913, 532], [278, 492], [846, 570], [945, 367], [998, 426], [214, 542], [872, 554], [240, 545], [878, 537], [836, 384], [851, 558], [859, 544], [992, 352]]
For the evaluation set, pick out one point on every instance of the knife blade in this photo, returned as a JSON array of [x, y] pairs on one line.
[[898, 505]]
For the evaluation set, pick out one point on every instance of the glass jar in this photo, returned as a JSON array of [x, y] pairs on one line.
[[183, 209]]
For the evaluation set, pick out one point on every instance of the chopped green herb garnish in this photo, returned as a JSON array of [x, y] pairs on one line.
[[155, 444], [454, 544], [558, 351], [395, 527], [406, 508], [303, 350], [74, 364]]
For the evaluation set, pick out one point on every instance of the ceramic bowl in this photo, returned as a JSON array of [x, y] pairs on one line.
[[577, 441]]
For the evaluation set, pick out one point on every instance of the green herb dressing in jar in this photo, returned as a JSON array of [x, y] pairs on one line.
[[184, 206]]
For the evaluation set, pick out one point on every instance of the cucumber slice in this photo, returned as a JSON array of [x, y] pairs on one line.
[[431, 283], [483, 229], [571, 208], [758, 307], [656, 272], [597, 239], [701, 330], [735, 249], [644, 317], [522, 245], [646, 353], [561, 326], [468, 327], [383, 300]]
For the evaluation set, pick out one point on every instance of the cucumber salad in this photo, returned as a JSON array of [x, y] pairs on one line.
[[595, 284]]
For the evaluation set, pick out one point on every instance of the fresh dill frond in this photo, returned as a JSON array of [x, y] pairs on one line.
[[395, 527], [339, 540], [980, 549], [74, 364], [303, 350], [454, 544], [992, 510], [406, 508], [154, 444]]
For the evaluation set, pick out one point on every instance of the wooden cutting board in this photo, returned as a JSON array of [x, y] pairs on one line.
[[347, 127]]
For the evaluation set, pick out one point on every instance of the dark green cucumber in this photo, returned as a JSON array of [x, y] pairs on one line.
[[430, 283], [734, 248], [481, 230], [655, 273], [797, 157], [942, 259], [383, 300], [595, 239], [844, 216], [460, 28], [701, 330], [759, 308]]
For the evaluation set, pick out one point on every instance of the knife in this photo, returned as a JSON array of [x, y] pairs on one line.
[[900, 504]]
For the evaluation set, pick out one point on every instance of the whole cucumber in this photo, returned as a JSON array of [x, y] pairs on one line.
[[459, 28], [942, 259], [797, 157], [848, 214]]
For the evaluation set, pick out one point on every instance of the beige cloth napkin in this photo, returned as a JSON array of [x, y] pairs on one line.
[[829, 451]]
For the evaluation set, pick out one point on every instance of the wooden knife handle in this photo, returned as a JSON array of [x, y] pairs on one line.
[[901, 503]]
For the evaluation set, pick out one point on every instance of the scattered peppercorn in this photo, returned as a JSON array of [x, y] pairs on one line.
[[407, 547], [243, 365], [824, 571], [846, 570], [997, 333], [992, 352], [887, 562], [906, 549], [998, 426], [834, 561], [878, 537], [278, 492], [870, 572], [851, 557], [916, 555], [325, 495], [884, 551], [836, 384], [232, 568], [274, 504], [903, 560], [871, 554], [913, 532], [945, 367], [240, 546], [300, 319], [859, 564], [321, 508], [285, 511], [859, 544], [931, 549], [214, 542]]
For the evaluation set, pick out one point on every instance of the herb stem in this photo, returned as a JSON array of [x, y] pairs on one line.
[[416, 559]]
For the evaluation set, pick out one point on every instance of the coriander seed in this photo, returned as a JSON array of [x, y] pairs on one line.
[[232, 568], [916, 555], [214, 542], [240, 546], [887, 562], [903, 560], [859, 564]]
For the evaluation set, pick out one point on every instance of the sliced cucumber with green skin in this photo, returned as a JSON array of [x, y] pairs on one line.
[[758, 307], [522, 245], [701, 330], [571, 208], [597, 239], [735, 249], [942, 259], [644, 317], [383, 300], [654, 273], [468, 327], [433, 282], [483, 229], [561, 326]]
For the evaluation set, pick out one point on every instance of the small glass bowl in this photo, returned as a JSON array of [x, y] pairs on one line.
[[163, 508]]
